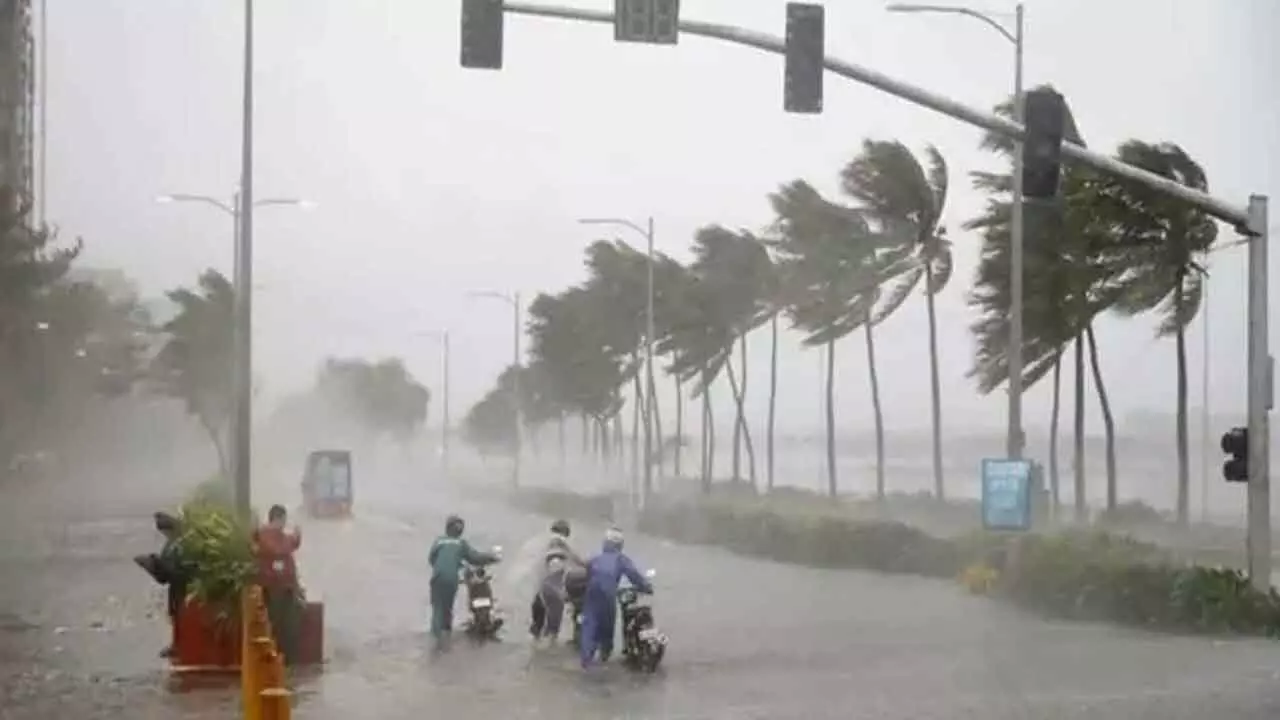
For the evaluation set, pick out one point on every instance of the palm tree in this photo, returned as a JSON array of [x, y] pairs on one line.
[[831, 259], [893, 188], [1069, 279], [734, 268], [1162, 240], [569, 344]]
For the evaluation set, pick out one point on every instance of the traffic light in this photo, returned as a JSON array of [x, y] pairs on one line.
[[1045, 117], [1235, 442], [482, 34], [806, 50], [656, 22]]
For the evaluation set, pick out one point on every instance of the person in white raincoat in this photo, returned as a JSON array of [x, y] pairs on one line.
[[557, 562]]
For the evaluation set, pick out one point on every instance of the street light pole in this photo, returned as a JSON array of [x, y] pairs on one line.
[[515, 388], [649, 402], [242, 417], [1204, 403], [443, 337], [444, 431], [240, 212], [648, 361], [514, 301], [1015, 441]]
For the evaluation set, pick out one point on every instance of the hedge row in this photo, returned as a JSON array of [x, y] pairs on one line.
[[1086, 575]]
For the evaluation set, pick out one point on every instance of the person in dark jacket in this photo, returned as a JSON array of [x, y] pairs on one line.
[[447, 555], [168, 569], [278, 576]]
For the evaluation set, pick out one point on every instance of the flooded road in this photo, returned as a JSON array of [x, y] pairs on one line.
[[80, 627]]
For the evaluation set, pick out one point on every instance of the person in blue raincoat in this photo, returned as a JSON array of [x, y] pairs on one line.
[[448, 553], [600, 604]]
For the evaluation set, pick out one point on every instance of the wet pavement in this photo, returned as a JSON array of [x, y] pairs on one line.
[[80, 626]]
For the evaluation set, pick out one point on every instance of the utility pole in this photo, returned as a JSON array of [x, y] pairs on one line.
[[649, 402], [242, 389], [1015, 442], [444, 431], [515, 388]]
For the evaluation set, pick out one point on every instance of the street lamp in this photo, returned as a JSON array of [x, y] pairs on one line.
[[442, 336], [1015, 440], [514, 301], [647, 233], [241, 213]]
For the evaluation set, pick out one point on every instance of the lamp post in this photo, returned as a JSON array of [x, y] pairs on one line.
[[240, 209], [1015, 441], [514, 301], [649, 404], [442, 336]]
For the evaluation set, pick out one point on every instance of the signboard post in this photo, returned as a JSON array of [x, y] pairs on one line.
[[1006, 494]]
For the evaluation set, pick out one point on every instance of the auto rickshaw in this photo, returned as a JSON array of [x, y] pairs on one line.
[[326, 484]]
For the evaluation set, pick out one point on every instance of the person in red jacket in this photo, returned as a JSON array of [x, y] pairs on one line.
[[278, 576]]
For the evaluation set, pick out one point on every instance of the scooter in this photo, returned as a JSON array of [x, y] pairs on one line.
[[643, 645], [486, 618]]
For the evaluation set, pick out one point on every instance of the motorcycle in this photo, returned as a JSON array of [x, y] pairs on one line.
[[485, 619], [643, 645], [575, 587]]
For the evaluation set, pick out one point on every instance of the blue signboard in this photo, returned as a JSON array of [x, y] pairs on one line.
[[1006, 494]]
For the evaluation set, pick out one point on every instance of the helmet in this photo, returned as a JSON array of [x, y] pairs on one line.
[[613, 538], [453, 526], [560, 527]]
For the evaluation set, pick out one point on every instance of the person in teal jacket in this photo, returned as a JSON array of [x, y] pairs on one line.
[[448, 553]]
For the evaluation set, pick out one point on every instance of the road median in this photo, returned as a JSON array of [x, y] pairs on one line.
[[1080, 574]]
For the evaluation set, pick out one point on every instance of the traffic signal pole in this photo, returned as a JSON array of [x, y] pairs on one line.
[[1250, 221], [1260, 401]]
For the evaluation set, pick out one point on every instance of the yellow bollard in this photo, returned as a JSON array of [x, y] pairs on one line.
[[275, 704], [269, 665], [250, 675]]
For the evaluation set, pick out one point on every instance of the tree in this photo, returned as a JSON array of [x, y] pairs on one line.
[[1068, 279], [194, 364], [383, 395], [490, 424], [734, 270], [1162, 242], [577, 366], [892, 187], [835, 268], [30, 265]]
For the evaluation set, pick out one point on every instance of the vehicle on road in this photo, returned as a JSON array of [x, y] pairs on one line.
[[327, 484], [643, 644], [485, 620], [575, 587]]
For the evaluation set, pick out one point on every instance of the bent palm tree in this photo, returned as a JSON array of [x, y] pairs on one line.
[[907, 200], [1162, 239]]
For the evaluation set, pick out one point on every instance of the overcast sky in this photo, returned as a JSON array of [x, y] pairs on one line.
[[432, 181]]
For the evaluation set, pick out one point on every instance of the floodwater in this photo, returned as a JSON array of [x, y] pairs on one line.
[[80, 627]]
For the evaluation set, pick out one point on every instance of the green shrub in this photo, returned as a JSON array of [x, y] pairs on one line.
[[217, 547], [1077, 574], [562, 503], [217, 491], [1129, 514]]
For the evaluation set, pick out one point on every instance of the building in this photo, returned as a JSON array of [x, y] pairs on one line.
[[17, 97]]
